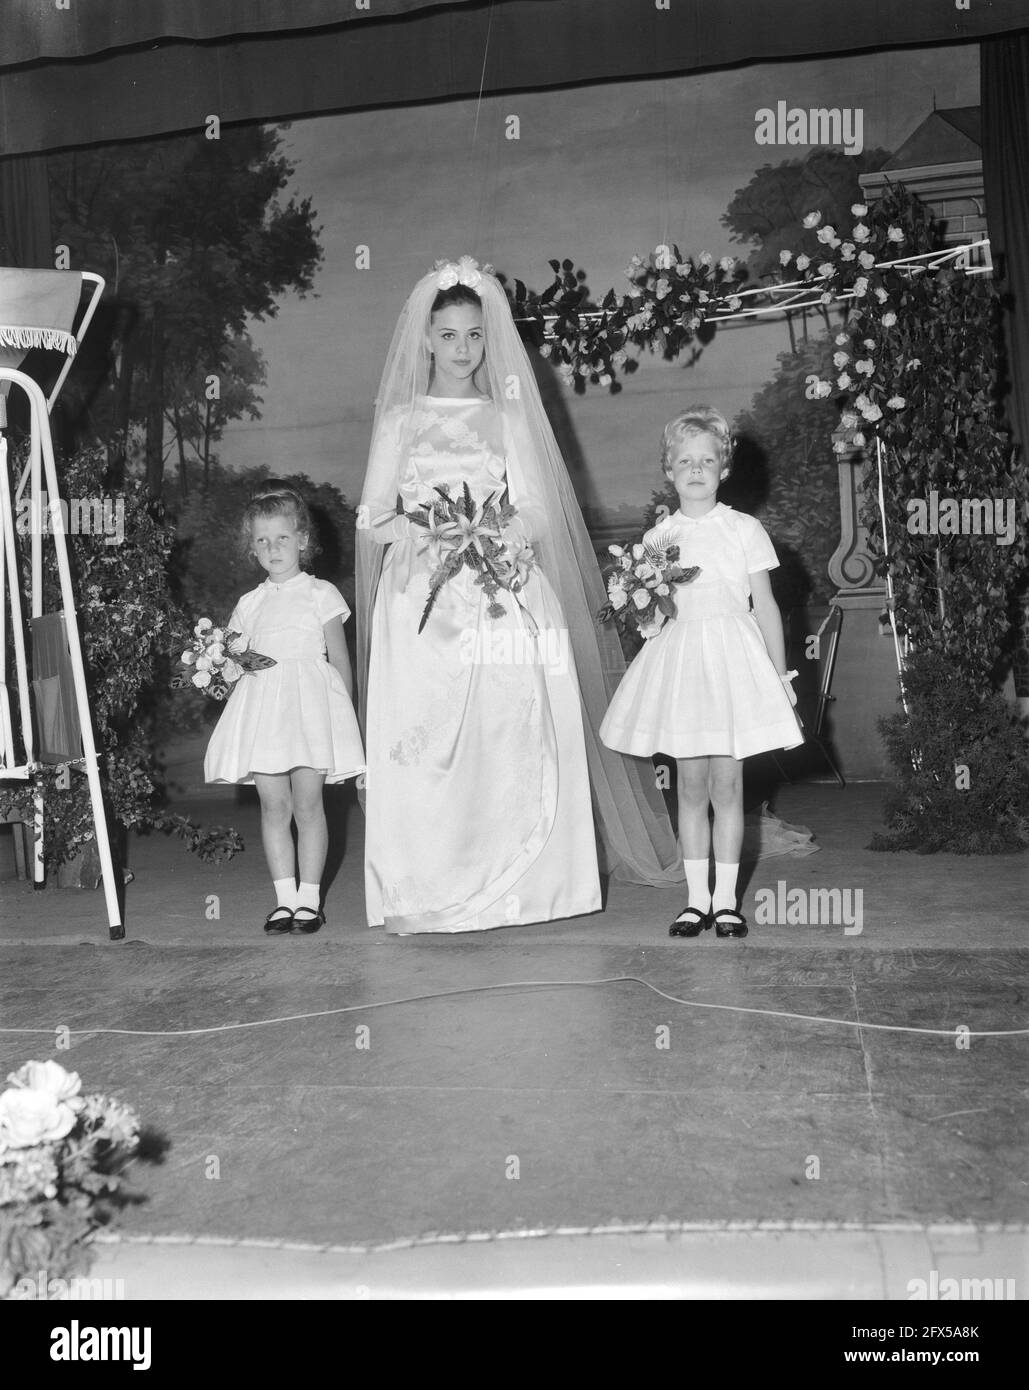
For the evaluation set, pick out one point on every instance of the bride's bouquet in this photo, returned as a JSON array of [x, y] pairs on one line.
[[215, 659], [460, 532], [639, 585]]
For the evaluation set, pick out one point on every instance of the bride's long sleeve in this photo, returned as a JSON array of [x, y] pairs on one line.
[[378, 516]]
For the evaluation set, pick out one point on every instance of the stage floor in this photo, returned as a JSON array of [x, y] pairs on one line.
[[372, 1116]]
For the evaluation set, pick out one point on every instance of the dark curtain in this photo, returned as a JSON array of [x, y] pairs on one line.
[[122, 70], [25, 239], [1005, 104]]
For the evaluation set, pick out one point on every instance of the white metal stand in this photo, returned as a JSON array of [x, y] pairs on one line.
[[39, 476]]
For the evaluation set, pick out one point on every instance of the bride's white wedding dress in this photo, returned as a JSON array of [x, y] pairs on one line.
[[478, 801]]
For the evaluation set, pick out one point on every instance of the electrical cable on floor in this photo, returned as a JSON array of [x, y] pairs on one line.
[[959, 1031]]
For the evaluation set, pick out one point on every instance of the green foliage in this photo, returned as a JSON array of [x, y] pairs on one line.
[[953, 726], [126, 619]]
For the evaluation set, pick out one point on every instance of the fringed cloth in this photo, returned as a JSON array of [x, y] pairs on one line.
[[37, 310]]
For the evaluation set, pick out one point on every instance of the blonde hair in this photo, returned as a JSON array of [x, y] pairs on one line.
[[698, 419], [274, 498]]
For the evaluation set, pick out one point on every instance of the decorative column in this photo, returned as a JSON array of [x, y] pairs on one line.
[[865, 685]]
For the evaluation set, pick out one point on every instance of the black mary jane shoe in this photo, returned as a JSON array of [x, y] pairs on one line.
[[735, 925], [691, 926], [276, 925], [307, 926]]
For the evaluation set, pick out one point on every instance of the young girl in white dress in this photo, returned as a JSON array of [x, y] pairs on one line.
[[484, 767], [290, 728], [711, 687]]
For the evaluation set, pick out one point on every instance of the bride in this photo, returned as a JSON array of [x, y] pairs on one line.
[[484, 769]]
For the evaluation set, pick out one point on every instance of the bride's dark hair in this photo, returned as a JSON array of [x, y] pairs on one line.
[[456, 294]]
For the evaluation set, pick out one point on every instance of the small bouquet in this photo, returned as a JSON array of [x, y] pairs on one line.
[[460, 532], [640, 583], [62, 1160], [215, 660]]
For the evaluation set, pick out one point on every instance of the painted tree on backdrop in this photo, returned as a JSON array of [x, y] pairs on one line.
[[193, 240], [769, 211]]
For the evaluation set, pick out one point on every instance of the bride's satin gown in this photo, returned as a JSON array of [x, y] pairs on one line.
[[478, 797]]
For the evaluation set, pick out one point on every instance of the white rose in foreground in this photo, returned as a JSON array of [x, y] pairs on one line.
[[641, 598], [896, 402], [201, 679], [188, 658], [202, 626], [638, 551], [859, 209], [47, 1076], [28, 1118], [231, 670], [618, 599], [615, 550], [215, 652], [785, 257], [866, 260], [803, 261]]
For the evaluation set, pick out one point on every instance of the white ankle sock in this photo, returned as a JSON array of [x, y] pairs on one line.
[[725, 886], [285, 892], [308, 896], [697, 891]]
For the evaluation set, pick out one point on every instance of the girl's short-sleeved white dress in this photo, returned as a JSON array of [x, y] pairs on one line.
[[704, 685], [296, 713]]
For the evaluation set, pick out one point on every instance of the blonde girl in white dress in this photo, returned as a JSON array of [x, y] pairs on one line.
[[290, 728], [487, 786], [711, 687]]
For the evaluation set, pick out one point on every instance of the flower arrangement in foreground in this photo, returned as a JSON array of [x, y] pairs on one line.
[[62, 1160], [640, 583], [216, 658], [460, 532]]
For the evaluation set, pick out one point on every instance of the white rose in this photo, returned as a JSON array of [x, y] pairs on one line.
[[843, 381], [866, 260], [605, 380], [826, 234], [202, 626], [202, 679], [203, 663], [865, 366], [447, 278], [662, 288], [47, 1076], [231, 670], [615, 550], [217, 635], [215, 653], [803, 261], [188, 658], [618, 599], [812, 219], [889, 319], [839, 446], [662, 589], [727, 263], [847, 251], [872, 413], [841, 340], [894, 234], [848, 420], [881, 296], [28, 1118], [545, 350], [861, 233], [840, 359], [705, 258], [785, 257], [641, 598], [638, 551], [734, 303], [858, 210], [896, 402], [860, 287], [826, 269]]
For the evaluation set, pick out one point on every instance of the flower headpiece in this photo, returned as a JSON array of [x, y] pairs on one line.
[[464, 272]]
